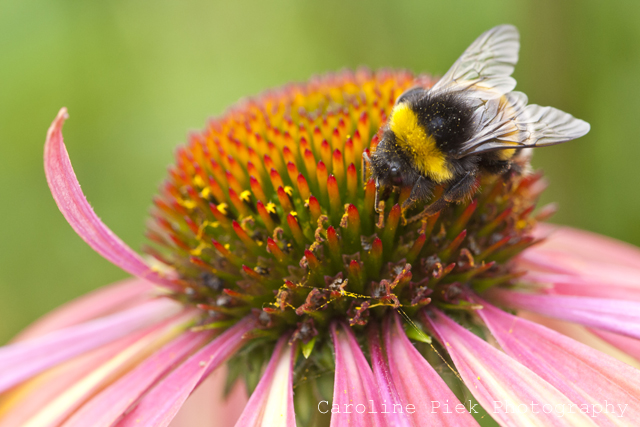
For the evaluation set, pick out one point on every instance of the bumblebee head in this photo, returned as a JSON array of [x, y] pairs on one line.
[[390, 166]]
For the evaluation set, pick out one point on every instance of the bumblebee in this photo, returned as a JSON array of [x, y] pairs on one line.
[[471, 122]]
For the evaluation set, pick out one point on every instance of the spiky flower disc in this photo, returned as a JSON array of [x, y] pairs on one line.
[[266, 212]]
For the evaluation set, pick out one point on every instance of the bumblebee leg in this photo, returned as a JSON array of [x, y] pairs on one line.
[[422, 189], [366, 161], [497, 167], [430, 210], [377, 199], [464, 188]]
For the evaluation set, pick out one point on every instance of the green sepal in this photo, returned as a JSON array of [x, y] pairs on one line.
[[417, 334], [307, 348]]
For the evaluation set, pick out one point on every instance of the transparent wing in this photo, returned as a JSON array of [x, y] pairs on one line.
[[509, 122], [549, 126], [487, 64]]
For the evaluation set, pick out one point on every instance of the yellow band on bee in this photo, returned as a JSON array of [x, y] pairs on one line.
[[422, 148]]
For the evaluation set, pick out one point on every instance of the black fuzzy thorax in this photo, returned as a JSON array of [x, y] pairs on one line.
[[447, 117]]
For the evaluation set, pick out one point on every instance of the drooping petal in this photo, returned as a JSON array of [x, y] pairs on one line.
[[101, 302], [209, 406], [588, 285], [354, 385], [576, 253], [24, 359], [62, 405], [618, 316], [397, 415], [271, 404], [584, 375], [509, 391], [434, 402], [21, 402], [109, 405], [77, 211], [631, 346], [158, 407], [590, 247], [582, 334]]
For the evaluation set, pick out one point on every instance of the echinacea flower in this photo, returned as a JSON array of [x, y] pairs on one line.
[[272, 264]]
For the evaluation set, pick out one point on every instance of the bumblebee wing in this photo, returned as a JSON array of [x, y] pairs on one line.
[[550, 126], [508, 123], [486, 65]]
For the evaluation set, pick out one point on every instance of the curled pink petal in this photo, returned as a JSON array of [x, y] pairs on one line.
[[101, 302], [158, 407], [75, 208], [509, 391], [110, 404], [398, 415], [24, 359], [618, 316], [354, 385], [584, 375], [271, 404], [418, 384]]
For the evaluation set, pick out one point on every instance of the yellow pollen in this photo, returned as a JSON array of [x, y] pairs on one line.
[[245, 196], [189, 204], [205, 193], [198, 181]]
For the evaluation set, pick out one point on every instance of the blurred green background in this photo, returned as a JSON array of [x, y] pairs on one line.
[[137, 76]]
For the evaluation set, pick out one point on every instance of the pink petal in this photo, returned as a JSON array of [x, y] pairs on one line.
[[537, 260], [64, 404], [421, 390], [109, 405], [590, 247], [631, 346], [159, 406], [397, 412], [208, 406], [101, 302], [20, 403], [508, 390], [572, 252], [24, 359], [581, 334], [618, 316], [75, 208], [271, 404], [587, 285], [584, 375], [354, 385]]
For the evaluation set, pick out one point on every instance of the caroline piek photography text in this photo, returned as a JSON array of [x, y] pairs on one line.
[[594, 410]]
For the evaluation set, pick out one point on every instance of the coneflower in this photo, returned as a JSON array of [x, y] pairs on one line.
[[268, 257]]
